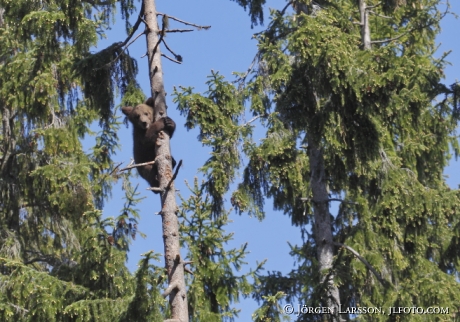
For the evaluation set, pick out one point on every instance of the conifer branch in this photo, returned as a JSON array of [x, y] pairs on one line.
[[126, 43], [328, 200], [115, 169], [364, 261], [49, 259], [98, 3], [282, 12], [185, 22], [137, 24], [427, 25]]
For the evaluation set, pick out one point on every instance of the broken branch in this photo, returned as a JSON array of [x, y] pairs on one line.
[[185, 22], [169, 289], [131, 165], [179, 30]]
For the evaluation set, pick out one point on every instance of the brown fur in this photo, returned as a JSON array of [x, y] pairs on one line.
[[145, 134]]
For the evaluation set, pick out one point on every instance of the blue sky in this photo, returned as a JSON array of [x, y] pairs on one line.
[[227, 47]]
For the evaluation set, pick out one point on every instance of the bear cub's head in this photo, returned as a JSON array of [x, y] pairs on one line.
[[141, 116]]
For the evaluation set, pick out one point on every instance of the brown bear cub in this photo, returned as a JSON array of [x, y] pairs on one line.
[[145, 134]]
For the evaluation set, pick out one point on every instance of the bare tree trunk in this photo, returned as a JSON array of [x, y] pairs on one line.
[[365, 29], [322, 225], [1, 16], [174, 264]]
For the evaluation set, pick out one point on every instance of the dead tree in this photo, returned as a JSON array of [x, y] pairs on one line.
[[174, 263]]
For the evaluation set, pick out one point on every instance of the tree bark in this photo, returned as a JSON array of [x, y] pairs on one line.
[[174, 264], [322, 225], [365, 29], [1, 16]]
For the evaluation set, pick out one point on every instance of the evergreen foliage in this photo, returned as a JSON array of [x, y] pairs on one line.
[[255, 10], [381, 118], [214, 285], [58, 260], [382, 125], [219, 129]]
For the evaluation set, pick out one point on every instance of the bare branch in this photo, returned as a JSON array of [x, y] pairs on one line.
[[135, 38], [162, 34], [186, 269], [252, 120], [242, 79], [178, 30], [169, 289], [155, 189], [171, 59], [389, 39], [365, 262], [18, 308], [131, 165], [145, 22], [185, 22], [178, 57], [374, 6], [379, 15], [175, 175]]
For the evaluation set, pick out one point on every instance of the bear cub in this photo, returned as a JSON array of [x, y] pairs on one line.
[[145, 134]]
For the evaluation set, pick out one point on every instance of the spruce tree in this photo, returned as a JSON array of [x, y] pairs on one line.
[[214, 285], [351, 96], [60, 260]]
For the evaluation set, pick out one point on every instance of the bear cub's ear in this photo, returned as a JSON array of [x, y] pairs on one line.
[[127, 110], [150, 102]]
